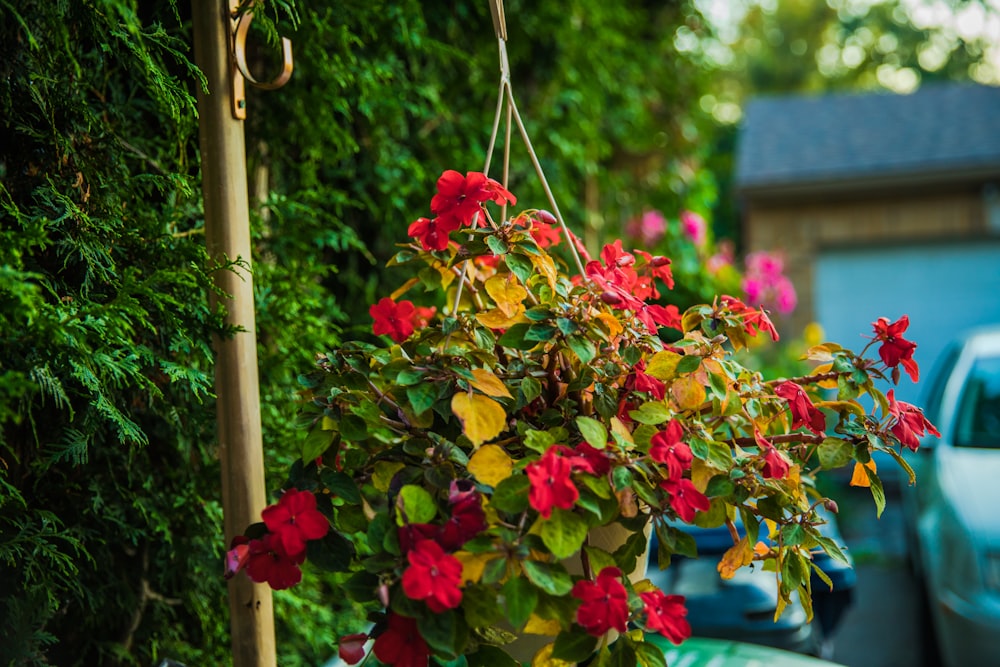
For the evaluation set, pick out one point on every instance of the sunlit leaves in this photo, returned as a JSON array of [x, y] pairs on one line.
[[482, 418]]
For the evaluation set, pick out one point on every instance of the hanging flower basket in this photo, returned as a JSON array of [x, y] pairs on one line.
[[526, 400]]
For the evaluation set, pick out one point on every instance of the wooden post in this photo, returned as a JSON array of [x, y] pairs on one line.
[[227, 234]]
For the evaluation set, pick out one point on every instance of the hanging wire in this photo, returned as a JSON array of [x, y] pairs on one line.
[[506, 94]]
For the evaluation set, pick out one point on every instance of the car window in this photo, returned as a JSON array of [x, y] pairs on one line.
[[939, 378], [978, 419]]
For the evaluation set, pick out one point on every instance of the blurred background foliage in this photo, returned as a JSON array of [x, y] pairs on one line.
[[110, 520]]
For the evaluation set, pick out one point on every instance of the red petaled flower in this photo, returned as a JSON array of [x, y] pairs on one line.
[[433, 576], [460, 196], [666, 614], [351, 648], [895, 349], [603, 603], [294, 520], [394, 319], [433, 232], [551, 485], [685, 499], [401, 645], [804, 413], [775, 463], [666, 447], [754, 321], [468, 518], [237, 556], [268, 562], [910, 424]]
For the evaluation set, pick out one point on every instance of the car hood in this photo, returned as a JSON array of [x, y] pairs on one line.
[[970, 478], [698, 651]]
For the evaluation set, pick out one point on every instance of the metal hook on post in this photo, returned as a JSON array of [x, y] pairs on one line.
[[240, 70]]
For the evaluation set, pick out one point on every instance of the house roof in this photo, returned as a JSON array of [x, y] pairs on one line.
[[944, 132]]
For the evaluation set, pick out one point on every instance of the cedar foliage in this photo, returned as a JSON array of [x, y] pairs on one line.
[[110, 519]]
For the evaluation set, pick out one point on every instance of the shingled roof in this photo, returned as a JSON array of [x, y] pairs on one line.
[[943, 133]]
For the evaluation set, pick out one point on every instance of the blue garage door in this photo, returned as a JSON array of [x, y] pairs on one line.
[[944, 289]]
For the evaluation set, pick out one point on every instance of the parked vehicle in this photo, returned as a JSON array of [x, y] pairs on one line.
[[742, 608], [951, 513], [700, 651]]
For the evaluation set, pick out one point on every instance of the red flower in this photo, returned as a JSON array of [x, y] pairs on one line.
[[775, 463], [910, 424], [401, 644], [294, 520], [460, 197], [433, 576], [754, 321], [594, 460], [665, 614], [237, 556], [422, 316], [468, 518], [433, 233], [351, 648], [268, 562], [394, 319], [666, 447], [551, 485], [684, 498], [895, 349], [804, 413], [546, 235], [603, 604]]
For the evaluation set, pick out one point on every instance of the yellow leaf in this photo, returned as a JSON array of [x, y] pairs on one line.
[[619, 428], [545, 266], [507, 293], [543, 658], [860, 478], [384, 472], [761, 549], [663, 365], [328, 424], [473, 565], [537, 625], [488, 383], [688, 392], [611, 322], [737, 556], [498, 319], [482, 418], [490, 465], [701, 472], [825, 368]]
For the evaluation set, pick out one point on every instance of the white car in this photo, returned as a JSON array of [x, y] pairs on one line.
[[951, 512]]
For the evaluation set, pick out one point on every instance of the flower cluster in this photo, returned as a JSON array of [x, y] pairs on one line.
[[464, 474], [765, 282]]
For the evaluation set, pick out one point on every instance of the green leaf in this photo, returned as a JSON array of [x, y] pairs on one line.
[[514, 337], [652, 413], [361, 586], [520, 266], [353, 428], [563, 532], [497, 246], [688, 363], [574, 646], [422, 397], [628, 554], [621, 477], [333, 553], [446, 632], [903, 463], [592, 431], [720, 485], [830, 547], [835, 453], [878, 493], [409, 377], [792, 534], [531, 388], [650, 655], [540, 332], [550, 577], [417, 505], [582, 347], [316, 443], [623, 655], [480, 606], [520, 599], [511, 495], [341, 485]]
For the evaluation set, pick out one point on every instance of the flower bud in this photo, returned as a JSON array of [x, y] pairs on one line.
[[830, 506], [611, 298], [659, 260], [546, 217]]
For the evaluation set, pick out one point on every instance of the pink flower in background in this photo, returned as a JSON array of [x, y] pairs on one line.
[[765, 284], [648, 229], [722, 258], [694, 226]]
